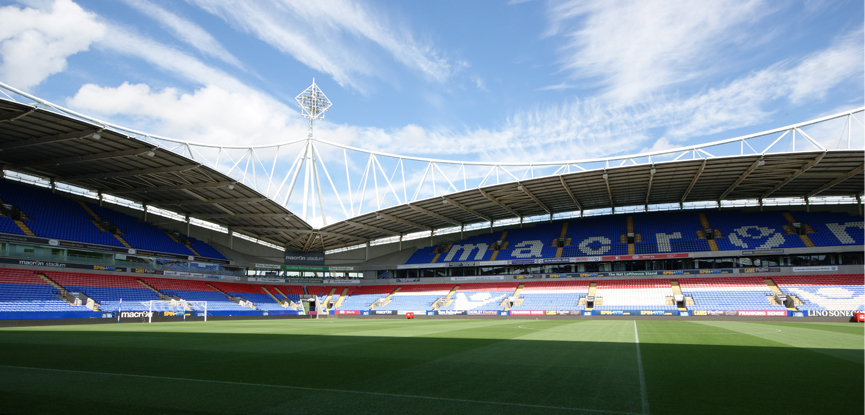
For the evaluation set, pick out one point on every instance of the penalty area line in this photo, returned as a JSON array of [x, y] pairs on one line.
[[643, 397], [303, 388]]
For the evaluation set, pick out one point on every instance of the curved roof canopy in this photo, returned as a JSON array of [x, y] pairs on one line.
[[65, 149], [58, 144], [801, 174]]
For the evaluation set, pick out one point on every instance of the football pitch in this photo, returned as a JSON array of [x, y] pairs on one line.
[[378, 366]]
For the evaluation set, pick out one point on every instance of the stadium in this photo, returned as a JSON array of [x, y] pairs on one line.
[[141, 273], [750, 282]]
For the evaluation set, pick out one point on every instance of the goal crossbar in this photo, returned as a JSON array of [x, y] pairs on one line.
[[176, 306]]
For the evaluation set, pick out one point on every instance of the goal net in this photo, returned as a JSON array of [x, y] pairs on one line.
[[198, 308]]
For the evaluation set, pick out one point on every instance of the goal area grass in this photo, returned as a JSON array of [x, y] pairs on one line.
[[389, 366]]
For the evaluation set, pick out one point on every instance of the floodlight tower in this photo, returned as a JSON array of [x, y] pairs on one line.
[[313, 104]]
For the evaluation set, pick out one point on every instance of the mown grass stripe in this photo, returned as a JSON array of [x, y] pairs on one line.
[[303, 388], [643, 397]]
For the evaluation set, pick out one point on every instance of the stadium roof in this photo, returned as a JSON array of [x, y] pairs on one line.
[[801, 174], [58, 144], [65, 149]]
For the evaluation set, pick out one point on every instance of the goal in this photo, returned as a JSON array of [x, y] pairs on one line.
[[198, 307]]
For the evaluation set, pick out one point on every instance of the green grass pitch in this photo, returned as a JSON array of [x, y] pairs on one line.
[[376, 366]]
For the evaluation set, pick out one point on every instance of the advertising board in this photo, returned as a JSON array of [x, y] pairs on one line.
[[304, 258], [479, 278], [635, 312], [762, 313], [714, 313], [816, 269], [527, 312], [451, 313], [831, 313]]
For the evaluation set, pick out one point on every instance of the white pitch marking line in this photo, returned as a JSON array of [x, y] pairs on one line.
[[393, 395], [643, 396]]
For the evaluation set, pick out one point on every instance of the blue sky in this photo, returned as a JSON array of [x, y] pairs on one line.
[[476, 80]]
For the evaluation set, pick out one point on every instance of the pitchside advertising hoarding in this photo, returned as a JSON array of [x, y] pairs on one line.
[[859, 315], [304, 258]]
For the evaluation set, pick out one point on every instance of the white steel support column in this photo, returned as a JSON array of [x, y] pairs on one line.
[[313, 104], [305, 180], [318, 186]]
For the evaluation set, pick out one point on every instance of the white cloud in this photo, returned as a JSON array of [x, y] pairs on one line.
[[660, 144], [174, 62], [557, 87], [747, 100], [330, 36], [637, 48], [578, 129], [34, 44], [186, 31], [820, 72], [210, 115]]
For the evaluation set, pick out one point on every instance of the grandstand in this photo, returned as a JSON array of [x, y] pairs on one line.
[[657, 236], [142, 232]]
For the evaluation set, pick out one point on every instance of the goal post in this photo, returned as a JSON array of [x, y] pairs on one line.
[[181, 306]]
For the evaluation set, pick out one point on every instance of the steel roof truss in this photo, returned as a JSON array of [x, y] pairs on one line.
[[245, 216], [466, 208], [89, 157], [135, 172], [402, 221], [649, 188], [174, 187], [838, 180], [434, 215], [205, 201], [609, 191], [741, 178], [498, 202], [371, 228], [14, 116], [525, 190], [570, 194], [694, 180], [35, 141], [309, 241]]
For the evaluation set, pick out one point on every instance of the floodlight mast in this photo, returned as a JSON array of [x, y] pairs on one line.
[[313, 104]]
